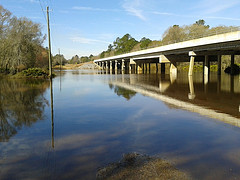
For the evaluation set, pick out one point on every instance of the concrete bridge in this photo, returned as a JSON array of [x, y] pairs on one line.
[[204, 50]]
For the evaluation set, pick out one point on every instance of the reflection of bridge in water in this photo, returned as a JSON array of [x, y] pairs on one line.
[[218, 99]]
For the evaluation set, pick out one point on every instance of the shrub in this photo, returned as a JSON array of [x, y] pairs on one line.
[[34, 72], [236, 70]]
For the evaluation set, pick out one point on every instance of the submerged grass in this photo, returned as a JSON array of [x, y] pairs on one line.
[[135, 166]]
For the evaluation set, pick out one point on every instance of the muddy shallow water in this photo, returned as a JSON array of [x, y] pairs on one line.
[[95, 118]]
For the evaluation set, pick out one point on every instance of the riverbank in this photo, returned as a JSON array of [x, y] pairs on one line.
[[87, 65]]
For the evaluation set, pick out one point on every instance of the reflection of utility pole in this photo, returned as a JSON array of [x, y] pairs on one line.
[[52, 115], [49, 44], [60, 59], [60, 68]]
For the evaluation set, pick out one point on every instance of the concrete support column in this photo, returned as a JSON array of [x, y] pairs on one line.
[[116, 66], [103, 65], [173, 68], [106, 65], [123, 65], [219, 84], [192, 58], [163, 68], [206, 65], [111, 65], [190, 72], [219, 64], [191, 95], [130, 68], [232, 63], [139, 68]]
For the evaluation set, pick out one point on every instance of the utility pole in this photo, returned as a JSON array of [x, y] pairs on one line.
[[49, 45], [60, 59]]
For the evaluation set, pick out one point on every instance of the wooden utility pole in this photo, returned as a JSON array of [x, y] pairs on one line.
[[60, 59], [49, 45]]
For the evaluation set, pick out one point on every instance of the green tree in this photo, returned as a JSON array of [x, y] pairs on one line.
[[145, 42], [20, 39], [124, 44], [58, 59], [173, 34], [75, 60], [110, 48], [84, 59]]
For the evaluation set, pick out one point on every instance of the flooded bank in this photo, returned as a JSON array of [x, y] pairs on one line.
[[95, 118]]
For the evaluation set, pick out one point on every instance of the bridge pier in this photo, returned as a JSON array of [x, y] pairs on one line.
[[123, 65], [192, 58], [139, 68], [173, 68], [116, 66], [130, 68], [111, 66], [106, 65], [219, 64], [191, 95], [163, 68], [103, 65], [232, 63], [206, 65]]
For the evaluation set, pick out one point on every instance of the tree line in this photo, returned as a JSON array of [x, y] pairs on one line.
[[77, 60], [173, 34], [21, 44]]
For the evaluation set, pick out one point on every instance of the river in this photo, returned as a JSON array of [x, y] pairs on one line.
[[84, 120]]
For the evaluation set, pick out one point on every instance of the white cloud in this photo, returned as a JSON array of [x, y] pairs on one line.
[[32, 1], [222, 18], [83, 40], [92, 9], [215, 6], [190, 16], [133, 8]]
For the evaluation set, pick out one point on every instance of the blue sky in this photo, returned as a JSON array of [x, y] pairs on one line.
[[85, 27]]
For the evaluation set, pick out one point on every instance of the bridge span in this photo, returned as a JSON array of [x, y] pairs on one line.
[[204, 50]]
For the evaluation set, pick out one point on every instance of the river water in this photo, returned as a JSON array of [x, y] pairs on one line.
[[92, 118]]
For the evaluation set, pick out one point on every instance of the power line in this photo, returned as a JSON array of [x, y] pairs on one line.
[[42, 10]]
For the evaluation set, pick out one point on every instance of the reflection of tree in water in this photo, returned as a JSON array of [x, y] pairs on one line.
[[128, 94], [21, 104]]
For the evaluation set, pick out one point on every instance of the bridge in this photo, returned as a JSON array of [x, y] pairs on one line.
[[206, 50]]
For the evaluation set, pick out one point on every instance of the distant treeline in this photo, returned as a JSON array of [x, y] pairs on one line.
[[173, 34], [77, 60]]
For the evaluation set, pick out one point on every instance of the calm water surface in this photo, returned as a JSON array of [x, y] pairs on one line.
[[96, 118]]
